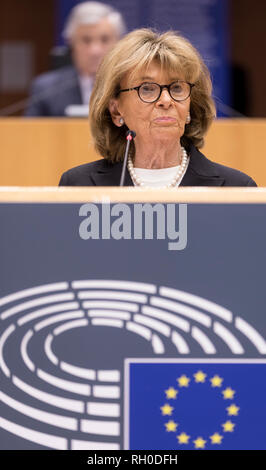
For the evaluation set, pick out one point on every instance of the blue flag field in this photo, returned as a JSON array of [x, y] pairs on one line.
[[195, 404]]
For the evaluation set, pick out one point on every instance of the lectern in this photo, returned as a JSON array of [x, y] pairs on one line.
[[132, 319]]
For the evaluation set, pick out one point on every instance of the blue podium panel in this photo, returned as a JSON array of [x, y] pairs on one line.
[[117, 332]]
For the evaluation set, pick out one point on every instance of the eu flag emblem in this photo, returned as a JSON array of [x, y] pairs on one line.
[[195, 404]]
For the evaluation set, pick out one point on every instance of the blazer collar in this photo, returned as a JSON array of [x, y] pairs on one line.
[[200, 172], [109, 175]]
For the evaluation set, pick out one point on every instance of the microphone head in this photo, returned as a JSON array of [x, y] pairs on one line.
[[131, 133]]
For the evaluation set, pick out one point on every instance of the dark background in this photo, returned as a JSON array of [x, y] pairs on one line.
[[241, 45]]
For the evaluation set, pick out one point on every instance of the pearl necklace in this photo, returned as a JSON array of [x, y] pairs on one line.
[[175, 181]]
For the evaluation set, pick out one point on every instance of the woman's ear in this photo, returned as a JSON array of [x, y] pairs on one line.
[[116, 116]]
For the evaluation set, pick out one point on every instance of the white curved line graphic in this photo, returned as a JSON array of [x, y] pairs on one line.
[[139, 330], [70, 325], [33, 291], [157, 344], [81, 389], [167, 317], [107, 322], [106, 428], [139, 309], [180, 343], [203, 340], [109, 313], [49, 418], [88, 374], [108, 375], [91, 374], [135, 286], [47, 440], [182, 309], [48, 350], [199, 302], [91, 445], [226, 335], [103, 409], [47, 311], [59, 318], [110, 304], [54, 400], [153, 324], [105, 294], [106, 391], [34, 303], [23, 350], [251, 334], [3, 339]]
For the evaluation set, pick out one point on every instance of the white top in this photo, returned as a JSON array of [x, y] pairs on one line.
[[81, 110], [156, 177], [86, 86]]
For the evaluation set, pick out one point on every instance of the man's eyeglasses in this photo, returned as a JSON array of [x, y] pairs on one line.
[[151, 92]]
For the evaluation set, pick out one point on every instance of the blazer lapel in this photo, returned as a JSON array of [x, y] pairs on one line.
[[110, 175], [201, 171], [193, 179]]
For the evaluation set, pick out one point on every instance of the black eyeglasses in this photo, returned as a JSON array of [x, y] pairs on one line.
[[151, 92]]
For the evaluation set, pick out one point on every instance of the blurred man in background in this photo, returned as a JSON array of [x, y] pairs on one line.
[[91, 30]]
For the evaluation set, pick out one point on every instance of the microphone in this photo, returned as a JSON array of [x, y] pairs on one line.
[[130, 135]]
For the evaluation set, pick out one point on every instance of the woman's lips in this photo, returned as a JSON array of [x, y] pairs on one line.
[[164, 119]]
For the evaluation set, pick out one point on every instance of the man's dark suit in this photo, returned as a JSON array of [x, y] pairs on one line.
[[52, 92], [200, 172]]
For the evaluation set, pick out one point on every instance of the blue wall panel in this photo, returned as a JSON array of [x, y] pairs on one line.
[[203, 22]]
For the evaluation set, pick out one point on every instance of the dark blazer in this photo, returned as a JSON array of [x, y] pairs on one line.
[[52, 92], [200, 172]]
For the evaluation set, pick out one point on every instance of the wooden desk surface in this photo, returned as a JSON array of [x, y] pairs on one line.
[[107, 194], [37, 151]]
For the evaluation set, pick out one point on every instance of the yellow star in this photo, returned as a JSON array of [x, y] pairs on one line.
[[171, 392], [166, 409], [233, 410], [228, 426], [199, 443], [228, 393], [200, 376], [216, 381], [171, 426], [183, 381], [183, 438], [216, 438]]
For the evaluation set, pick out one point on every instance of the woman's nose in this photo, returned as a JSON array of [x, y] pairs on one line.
[[165, 98]]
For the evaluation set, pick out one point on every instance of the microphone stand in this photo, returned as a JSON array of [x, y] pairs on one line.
[[130, 135]]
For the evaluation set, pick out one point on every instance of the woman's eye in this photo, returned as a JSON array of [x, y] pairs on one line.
[[177, 88], [147, 88]]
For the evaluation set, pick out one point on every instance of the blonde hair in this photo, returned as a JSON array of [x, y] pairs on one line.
[[132, 54]]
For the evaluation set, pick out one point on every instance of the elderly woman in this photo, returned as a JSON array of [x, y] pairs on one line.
[[157, 86]]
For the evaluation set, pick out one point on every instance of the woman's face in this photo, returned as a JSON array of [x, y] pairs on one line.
[[163, 120]]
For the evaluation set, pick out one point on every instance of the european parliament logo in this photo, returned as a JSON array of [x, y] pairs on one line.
[[195, 404]]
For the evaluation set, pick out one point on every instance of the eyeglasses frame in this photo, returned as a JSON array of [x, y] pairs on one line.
[[137, 88]]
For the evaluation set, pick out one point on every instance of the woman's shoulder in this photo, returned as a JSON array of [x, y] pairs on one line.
[[205, 167], [82, 175]]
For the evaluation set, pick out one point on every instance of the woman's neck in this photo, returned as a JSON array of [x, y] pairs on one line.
[[156, 157]]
